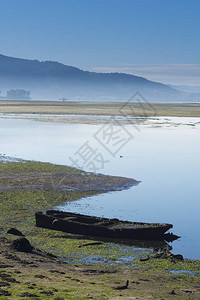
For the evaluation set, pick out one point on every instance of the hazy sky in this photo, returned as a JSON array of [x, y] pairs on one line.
[[157, 39]]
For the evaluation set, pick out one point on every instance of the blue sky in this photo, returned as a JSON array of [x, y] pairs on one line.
[[157, 39]]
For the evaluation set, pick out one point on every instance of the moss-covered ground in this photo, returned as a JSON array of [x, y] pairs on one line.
[[19, 207], [92, 270]]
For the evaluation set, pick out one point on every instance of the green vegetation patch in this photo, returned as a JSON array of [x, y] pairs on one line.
[[187, 267], [10, 283], [33, 166], [18, 209]]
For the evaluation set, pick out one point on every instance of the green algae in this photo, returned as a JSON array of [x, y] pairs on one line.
[[159, 264]]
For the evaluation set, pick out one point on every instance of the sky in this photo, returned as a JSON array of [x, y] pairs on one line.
[[156, 39]]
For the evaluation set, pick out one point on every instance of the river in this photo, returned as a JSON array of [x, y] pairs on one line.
[[162, 153]]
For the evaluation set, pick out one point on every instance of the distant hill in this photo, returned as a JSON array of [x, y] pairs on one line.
[[51, 80], [187, 88]]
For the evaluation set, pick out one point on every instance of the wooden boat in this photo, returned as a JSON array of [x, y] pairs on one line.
[[100, 227]]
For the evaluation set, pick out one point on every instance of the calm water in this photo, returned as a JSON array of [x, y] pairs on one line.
[[165, 159]]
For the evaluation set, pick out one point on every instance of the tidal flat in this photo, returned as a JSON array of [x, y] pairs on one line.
[[94, 112], [58, 267]]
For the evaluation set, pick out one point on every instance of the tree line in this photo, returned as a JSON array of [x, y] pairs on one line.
[[18, 94]]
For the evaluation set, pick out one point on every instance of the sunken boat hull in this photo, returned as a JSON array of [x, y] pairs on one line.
[[100, 227]]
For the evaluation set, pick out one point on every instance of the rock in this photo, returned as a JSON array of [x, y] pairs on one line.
[[48, 293], [123, 287], [145, 259], [178, 256], [28, 295], [187, 291], [40, 276], [15, 231], [170, 237], [4, 293], [166, 254], [22, 244]]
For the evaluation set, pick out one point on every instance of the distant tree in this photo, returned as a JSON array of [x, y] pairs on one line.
[[1, 97], [18, 95], [63, 99]]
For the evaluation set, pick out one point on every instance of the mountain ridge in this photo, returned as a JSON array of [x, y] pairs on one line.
[[54, 79]]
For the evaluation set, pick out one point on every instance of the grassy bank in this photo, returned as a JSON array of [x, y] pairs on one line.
[[20, 198]]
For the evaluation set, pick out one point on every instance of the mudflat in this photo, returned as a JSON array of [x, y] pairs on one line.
[[98, 108], [56, 269]]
